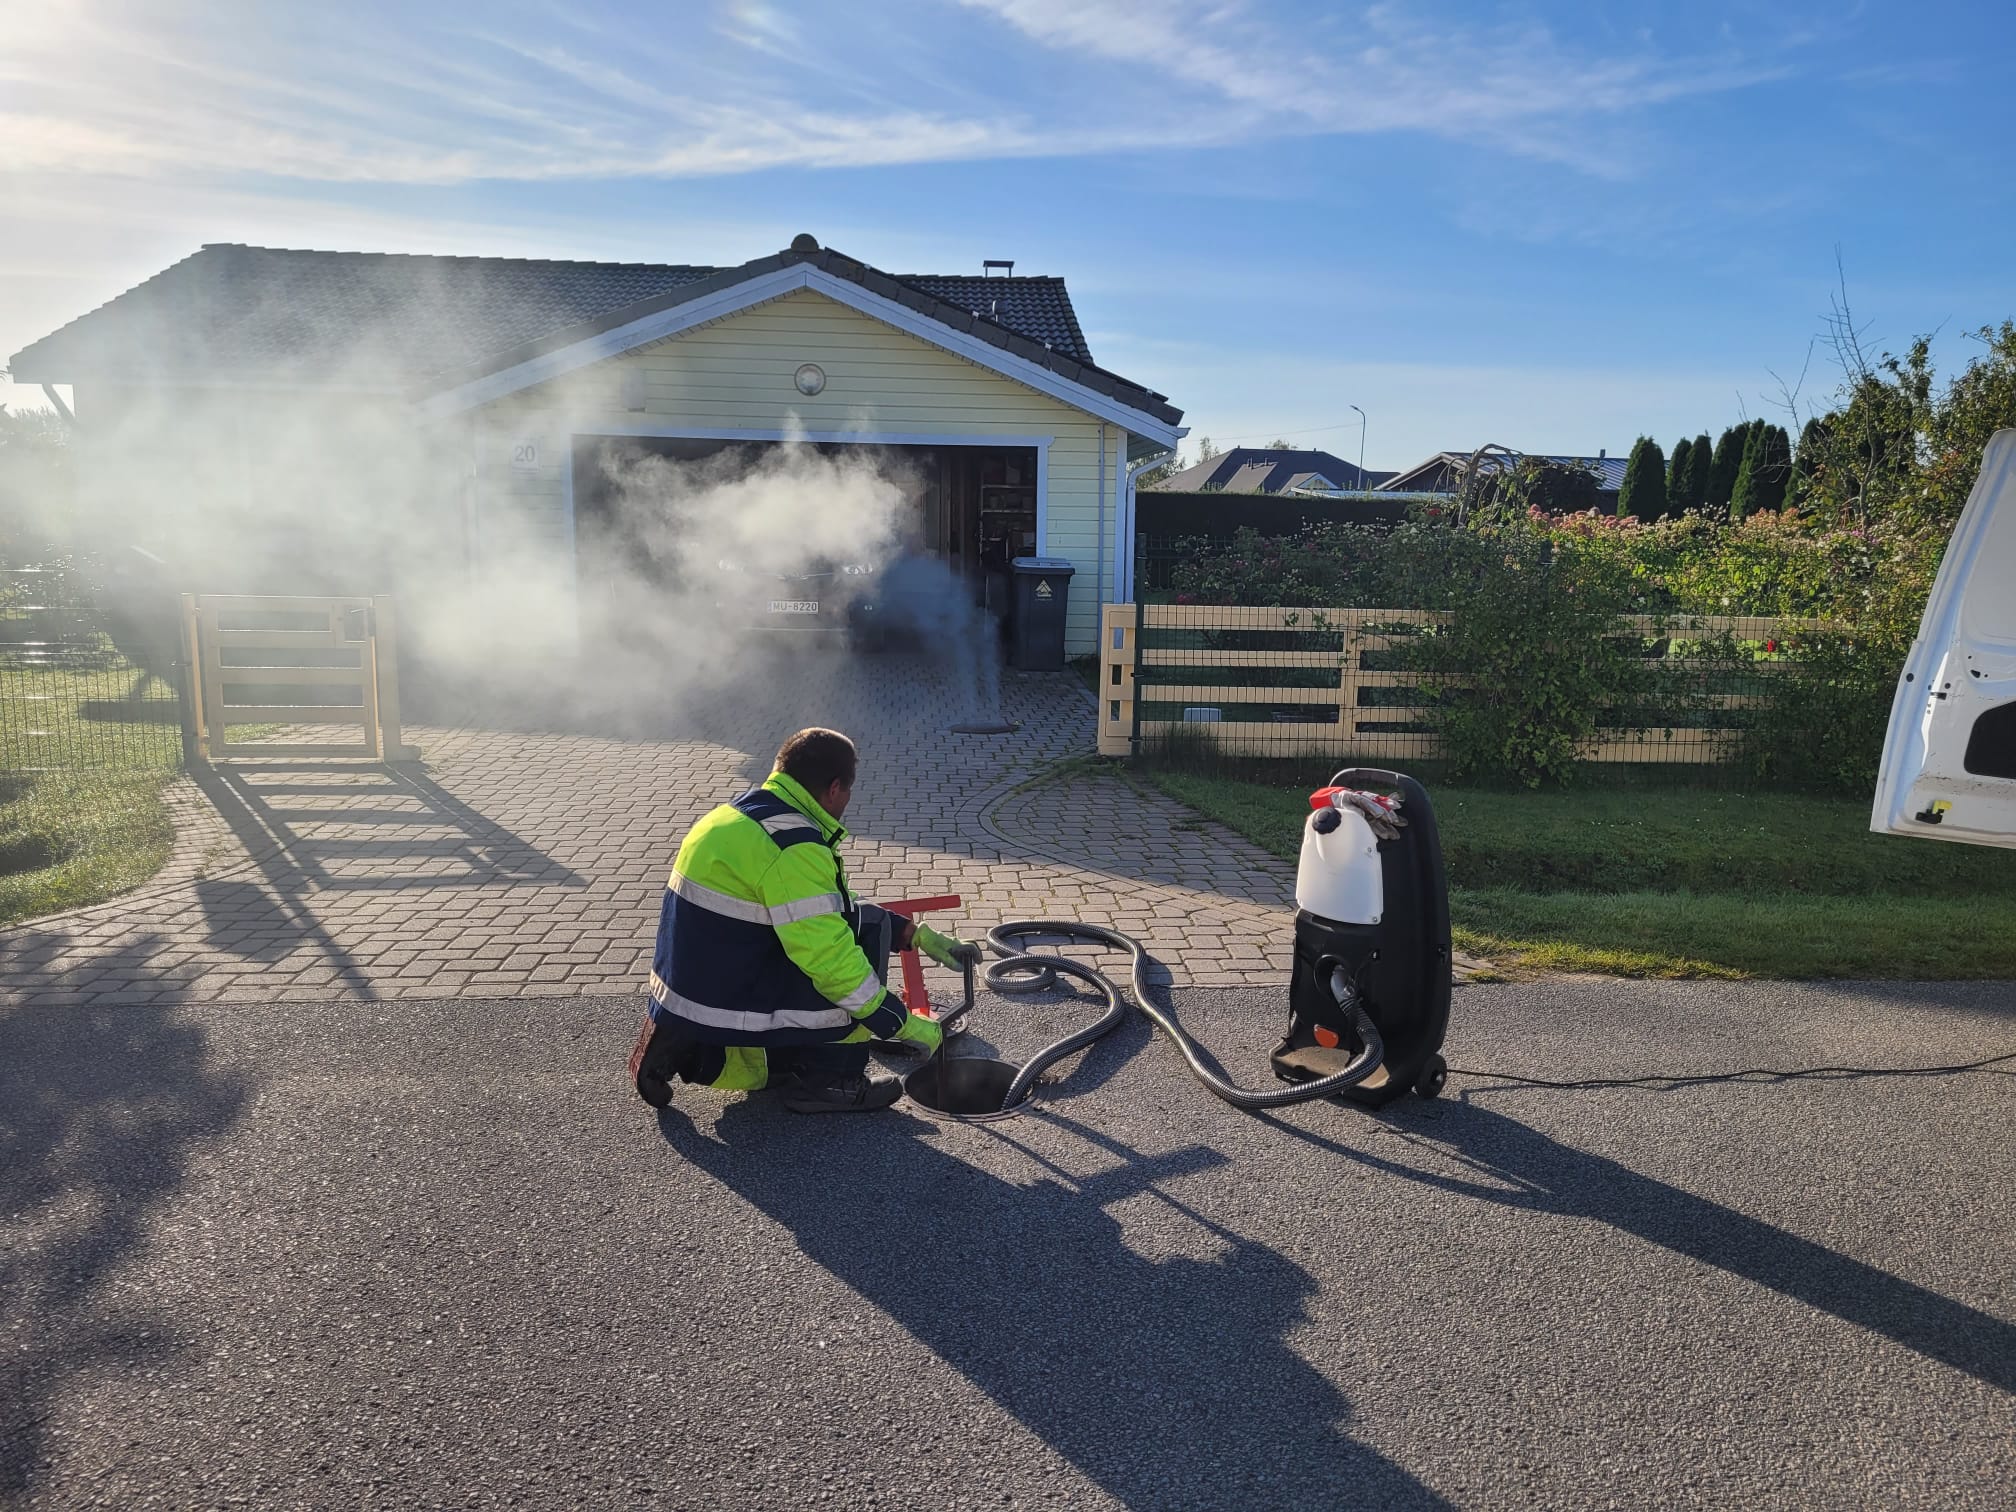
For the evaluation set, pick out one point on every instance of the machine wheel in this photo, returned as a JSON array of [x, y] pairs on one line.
[[1433, 1075]]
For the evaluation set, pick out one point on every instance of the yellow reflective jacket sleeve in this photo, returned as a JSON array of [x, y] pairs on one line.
[[804, 892]]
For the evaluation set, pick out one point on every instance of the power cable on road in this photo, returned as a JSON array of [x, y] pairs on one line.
[[1756, 1073]]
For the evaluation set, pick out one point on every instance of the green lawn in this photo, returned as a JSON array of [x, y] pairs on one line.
[[83, 759], [1637, 880]]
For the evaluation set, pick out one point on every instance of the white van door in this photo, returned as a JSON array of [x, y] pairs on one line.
[[1949, 759]]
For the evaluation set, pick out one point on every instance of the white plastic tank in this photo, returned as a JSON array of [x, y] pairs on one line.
[[1340, 877]]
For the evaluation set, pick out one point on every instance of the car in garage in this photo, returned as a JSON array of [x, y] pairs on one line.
[[813, 598], [905, 599]]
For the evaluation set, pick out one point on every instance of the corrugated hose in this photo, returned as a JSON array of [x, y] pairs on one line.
[[1019, 970]]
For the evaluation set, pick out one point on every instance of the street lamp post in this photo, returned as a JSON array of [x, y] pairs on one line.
[[1362, 424]]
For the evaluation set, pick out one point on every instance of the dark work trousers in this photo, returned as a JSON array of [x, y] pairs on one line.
[[664, 1052]]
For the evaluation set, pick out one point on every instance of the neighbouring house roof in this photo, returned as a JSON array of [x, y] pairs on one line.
[[408, 321], [1369, 479], [1441, 472], [1254, 469]]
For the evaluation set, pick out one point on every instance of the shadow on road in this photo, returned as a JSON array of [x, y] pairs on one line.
[[1163, 1381], [101, 1113], [1519, 1167]]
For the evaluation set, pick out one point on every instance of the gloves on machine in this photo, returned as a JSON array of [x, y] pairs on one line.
[[927, 1034], [1386, 822], [948, 952]]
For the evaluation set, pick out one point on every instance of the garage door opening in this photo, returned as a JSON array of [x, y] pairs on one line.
[[972, 509], [702, 557]]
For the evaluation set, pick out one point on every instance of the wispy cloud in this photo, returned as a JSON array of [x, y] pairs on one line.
[[1905, 72], [486, 103], [762, 27], [386, 94], [1516, 87]]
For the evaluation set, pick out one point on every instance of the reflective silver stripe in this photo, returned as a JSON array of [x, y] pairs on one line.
[[807, 908], [754, 1023], [863, 995], [714, 901], [718, 902], [778, 823]]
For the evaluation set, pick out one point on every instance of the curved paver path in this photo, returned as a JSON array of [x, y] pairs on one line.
[[529, 858], [1213, 909]]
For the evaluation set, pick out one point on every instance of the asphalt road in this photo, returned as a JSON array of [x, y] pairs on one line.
[[435, 1255]]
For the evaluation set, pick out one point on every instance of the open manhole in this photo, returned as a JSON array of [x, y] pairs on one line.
[[966, 1088]]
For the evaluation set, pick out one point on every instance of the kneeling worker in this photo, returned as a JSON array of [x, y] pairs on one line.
[[768, 969]]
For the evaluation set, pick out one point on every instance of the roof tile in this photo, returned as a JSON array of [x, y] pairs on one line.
[[400, 318]]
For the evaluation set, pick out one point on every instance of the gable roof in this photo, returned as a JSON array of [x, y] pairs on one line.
[[1439, 473], [384, 318], [1257, 469], [420, 322], [897, 301]]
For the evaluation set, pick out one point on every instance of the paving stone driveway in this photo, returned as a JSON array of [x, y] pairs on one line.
[[527, 856]]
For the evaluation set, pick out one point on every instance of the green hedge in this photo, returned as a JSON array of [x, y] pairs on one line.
[[1510, 703]]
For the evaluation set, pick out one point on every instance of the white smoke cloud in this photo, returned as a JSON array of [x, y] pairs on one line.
[[665, 602], [618, 624]]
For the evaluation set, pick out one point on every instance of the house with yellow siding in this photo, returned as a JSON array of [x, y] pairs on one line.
[[272, 420]]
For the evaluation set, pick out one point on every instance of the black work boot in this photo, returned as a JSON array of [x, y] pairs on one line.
[[825, 1092], [651, 1065]]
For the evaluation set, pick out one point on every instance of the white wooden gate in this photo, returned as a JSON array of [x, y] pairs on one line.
[[320, 668]]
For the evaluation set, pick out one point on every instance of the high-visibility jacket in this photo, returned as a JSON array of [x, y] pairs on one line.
[[756, 942]]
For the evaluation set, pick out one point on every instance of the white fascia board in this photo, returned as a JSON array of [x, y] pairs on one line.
[[613, 342], [768, 286], [675, 430]]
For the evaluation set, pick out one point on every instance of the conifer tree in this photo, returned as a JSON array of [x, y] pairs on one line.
[[1677, 465], [1814, 441], [1703, 462], [1774, 467], [1753, 490], [1727, 462], [1644, 490]]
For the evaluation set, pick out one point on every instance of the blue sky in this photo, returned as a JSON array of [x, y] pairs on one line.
[[1551, 225]]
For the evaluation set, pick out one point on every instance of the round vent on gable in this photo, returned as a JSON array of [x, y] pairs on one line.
[[810, 378]]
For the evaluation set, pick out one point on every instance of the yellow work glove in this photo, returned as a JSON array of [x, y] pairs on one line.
[[923, 1032], [945, 950]]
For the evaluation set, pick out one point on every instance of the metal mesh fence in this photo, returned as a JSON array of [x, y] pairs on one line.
[[90, 711], [1157, 557]]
